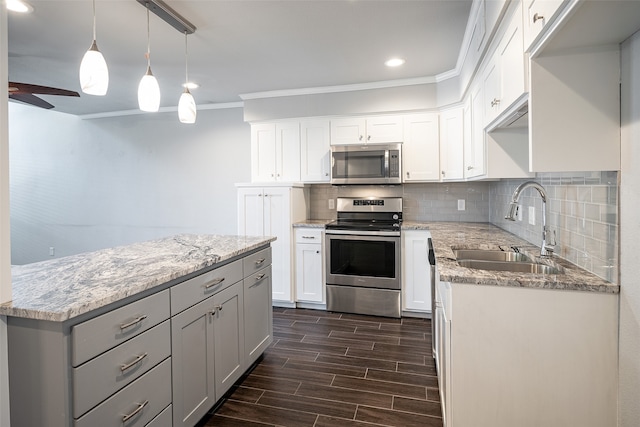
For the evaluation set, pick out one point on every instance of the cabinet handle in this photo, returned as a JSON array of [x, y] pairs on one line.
[[407, 174], [360, 139], [135, 412], [368, 137], [215, 310], [537, 17], [326, 174], [443, 173], [308, 237], [260, 276], [260, 261], [131, 364], [134, 322], [214, 283], [317, 252], [469, 168], [495, 102]]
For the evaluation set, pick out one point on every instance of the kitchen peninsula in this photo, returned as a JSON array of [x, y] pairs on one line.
[[154, 332]]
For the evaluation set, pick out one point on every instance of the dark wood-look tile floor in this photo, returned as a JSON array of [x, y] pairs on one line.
[[331, 369]]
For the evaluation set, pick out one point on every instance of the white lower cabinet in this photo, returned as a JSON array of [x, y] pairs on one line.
[[270, 210], [527, 357], [310, 286], [416, 271]]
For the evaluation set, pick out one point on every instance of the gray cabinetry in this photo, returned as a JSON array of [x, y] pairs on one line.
[[193, 358], [258, 315], [160, 360]]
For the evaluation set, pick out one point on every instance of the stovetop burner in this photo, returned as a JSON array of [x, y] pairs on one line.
[[368, 214]]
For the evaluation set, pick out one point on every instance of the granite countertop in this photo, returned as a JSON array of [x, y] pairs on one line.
[[448, 235], [62, 288], [312, 223]]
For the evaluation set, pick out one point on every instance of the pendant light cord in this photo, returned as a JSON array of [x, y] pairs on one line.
[[186, 61], [148, 39], [94, 20]]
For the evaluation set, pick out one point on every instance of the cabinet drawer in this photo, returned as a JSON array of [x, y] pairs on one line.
[[308, 235], [164, 418], [102, 376], [102, 333], [192, 291], [141, 401], [257, 261]]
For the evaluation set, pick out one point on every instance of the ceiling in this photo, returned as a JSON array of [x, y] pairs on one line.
[[239, 47]]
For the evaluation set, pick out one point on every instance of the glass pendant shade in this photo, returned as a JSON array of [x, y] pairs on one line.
[[149, 93], [187, 108], [94, 74]]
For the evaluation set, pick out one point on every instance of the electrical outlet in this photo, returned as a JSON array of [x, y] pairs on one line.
[[331, 204], [461, 203], [52, 251], [532, 215], [519, 213]]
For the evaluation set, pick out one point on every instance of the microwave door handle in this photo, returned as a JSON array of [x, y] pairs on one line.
[[386, 163]]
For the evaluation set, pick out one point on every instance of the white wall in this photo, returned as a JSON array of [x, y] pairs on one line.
[[629, 374], [81, 185], [5, 251]]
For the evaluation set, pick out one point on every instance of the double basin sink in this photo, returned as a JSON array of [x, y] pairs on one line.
[[497, 260]]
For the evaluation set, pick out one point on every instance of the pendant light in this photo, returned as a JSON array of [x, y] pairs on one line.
[[187, 110], [148, 89], [94, 74]]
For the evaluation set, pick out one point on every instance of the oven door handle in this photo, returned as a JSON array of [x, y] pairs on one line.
[[386, 163], [363, 233]]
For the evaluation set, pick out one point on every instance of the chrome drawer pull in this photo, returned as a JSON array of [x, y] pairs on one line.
[[260, 261], [135, 412], [258, 278], [313, 237], [130, 365], [537, 17], [133, 322], [214, 283]]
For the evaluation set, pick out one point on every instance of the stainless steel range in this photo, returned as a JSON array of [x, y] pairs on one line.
[[363, 257]]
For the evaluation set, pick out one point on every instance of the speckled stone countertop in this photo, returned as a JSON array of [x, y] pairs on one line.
[[448, 235], [62, 288]]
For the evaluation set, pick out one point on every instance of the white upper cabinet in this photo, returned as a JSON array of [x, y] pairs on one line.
[[315, 151], [452, 144], [537, 15], [504, 77], [421, 148], [275, 152], [369, 130], [474, 137]]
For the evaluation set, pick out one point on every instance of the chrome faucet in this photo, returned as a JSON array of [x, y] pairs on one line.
[[547, 248]]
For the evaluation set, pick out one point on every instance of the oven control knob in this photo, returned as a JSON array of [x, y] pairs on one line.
[[395, 216]]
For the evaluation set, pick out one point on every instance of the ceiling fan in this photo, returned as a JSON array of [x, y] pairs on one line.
[[25, 93]]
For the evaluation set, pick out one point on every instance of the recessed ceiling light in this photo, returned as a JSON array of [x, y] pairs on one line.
[[394, 62], [191, 85], [19, 6]]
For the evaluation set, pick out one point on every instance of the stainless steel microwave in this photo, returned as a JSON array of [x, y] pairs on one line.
[[366, 164]]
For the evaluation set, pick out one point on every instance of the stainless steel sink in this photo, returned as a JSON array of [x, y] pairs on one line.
[[490, 255], [514, 266]]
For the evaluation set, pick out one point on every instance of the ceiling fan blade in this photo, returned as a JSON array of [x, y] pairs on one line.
[[19, 88], [30, 99]]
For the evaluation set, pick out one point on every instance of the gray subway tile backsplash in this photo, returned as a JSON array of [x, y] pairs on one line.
[[583, 211]]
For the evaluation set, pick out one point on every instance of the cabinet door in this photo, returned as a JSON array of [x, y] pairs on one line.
[[452, 144], [474, 151], [512, 62], [277, 220], [263, 153], [228, 332], [309, 278], [421, 148], [348, 131], [491, 90], [384, 129], [287, 152], [192, 360], [251, 211], [315, 151], [258, 314], [537, 14], [416, 273]]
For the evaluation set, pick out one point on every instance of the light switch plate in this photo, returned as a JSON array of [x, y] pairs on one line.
[[461, 204]]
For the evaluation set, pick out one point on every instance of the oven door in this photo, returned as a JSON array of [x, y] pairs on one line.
[[364, 260]]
